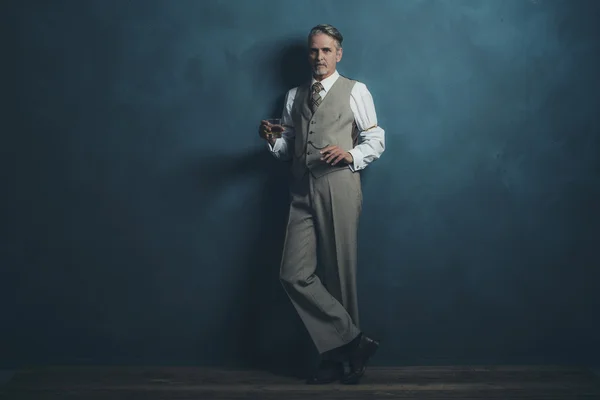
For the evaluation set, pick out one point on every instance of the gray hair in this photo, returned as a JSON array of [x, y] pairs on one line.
[[327, 30]]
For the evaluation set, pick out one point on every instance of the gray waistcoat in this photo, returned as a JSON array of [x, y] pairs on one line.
[[332, 124]]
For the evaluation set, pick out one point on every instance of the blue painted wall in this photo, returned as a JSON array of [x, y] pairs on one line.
[[143, 217]]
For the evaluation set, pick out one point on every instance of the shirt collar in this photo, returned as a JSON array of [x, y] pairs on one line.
[[329, 81]]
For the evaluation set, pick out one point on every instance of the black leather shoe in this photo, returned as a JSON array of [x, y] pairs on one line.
[[358, 359], [327, 372]]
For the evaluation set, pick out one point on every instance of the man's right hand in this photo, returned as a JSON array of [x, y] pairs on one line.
[[269, 132]]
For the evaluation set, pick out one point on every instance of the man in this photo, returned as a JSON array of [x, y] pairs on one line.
[[329, 132]]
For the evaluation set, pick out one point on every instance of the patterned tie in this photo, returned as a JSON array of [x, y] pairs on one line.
[[316, 99]]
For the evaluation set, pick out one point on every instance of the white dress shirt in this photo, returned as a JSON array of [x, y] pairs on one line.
[[371, 137]]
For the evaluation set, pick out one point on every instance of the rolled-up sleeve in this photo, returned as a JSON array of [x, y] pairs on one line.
[[371, 137], [283, 147]]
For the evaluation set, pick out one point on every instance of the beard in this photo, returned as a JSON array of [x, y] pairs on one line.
[[320, 69]]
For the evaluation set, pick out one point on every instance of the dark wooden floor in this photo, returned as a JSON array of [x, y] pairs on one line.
[[153, 383]]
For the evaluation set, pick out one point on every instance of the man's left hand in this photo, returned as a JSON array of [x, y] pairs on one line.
[[333, 154]]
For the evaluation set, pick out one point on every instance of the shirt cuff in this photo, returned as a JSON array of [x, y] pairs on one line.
[[275, 147], [358, 162]]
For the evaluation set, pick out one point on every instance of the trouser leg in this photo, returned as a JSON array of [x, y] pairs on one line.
[[337, 203], [327, 321]]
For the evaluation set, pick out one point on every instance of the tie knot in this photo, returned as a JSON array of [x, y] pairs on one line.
[[317, 87]]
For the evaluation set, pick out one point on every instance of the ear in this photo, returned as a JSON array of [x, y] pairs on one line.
[[338, 55]]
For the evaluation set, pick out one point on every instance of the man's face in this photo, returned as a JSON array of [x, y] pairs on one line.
[[323, 55]]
